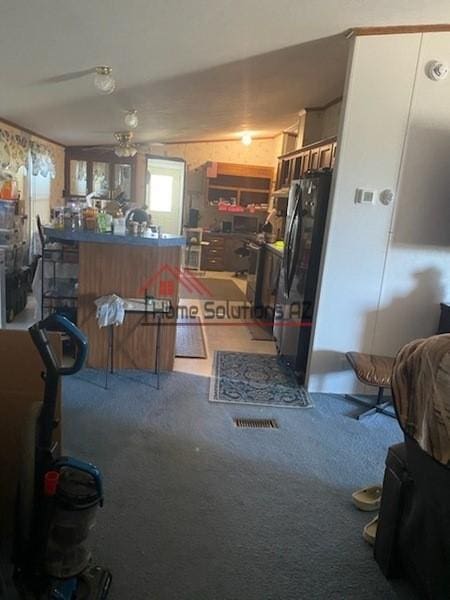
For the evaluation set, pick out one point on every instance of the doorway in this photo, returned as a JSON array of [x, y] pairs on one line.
[[165, 193]]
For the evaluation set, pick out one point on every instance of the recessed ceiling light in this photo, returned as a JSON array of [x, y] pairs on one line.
[[246, 139], [103, 80]]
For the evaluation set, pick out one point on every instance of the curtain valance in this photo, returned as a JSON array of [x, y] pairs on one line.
[[14, 152]]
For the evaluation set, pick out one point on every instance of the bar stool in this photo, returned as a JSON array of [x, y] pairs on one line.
[[148, 307]]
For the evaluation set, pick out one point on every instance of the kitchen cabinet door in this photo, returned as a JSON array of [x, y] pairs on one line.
[[314, 161], [333, 154], [325, 156], [306, 158]]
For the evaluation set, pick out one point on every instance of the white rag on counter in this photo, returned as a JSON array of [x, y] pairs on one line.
[[110, 310]]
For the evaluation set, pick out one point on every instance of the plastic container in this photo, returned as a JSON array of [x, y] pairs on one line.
[[7, 213], [119, 226], [9, 236], [10, 257], [76, 502], [8, 191]]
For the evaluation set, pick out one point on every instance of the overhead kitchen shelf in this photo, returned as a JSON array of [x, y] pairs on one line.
[[239, 188]]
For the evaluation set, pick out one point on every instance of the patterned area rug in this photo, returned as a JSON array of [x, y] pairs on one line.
[[259, 379]]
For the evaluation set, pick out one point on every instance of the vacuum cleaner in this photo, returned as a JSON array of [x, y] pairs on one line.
[[58, 496]]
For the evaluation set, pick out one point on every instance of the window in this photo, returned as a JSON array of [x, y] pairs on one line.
[[161, 193]]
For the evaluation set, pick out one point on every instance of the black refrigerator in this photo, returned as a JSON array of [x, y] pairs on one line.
[[297, 289]]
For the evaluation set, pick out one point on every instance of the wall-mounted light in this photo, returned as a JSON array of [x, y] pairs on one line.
[[246, 139], [104, 81], [131, 119]]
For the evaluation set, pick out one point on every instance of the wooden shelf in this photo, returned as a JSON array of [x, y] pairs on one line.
[[247, 183], [239, 189]]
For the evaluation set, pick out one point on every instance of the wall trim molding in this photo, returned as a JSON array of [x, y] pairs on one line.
[[325, 106], [30, 132], [396, 29]]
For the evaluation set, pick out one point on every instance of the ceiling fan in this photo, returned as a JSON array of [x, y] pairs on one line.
[[103, 80], [124, 148]]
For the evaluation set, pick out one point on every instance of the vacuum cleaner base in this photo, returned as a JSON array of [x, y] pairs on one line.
[[92, 584]]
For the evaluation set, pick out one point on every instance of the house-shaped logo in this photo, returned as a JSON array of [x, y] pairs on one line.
[[164, 283]]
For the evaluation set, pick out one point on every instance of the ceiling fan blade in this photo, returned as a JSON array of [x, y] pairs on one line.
[[95, 147], [68, 76]]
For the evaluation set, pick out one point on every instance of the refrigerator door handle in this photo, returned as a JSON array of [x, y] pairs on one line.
[[293, 257], [287, 254]]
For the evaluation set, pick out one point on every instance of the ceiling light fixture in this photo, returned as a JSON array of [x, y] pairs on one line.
[[124, 149], [104, 81], [131, 119], [246, 139]]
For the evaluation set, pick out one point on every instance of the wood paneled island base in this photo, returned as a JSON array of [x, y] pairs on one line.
[[126, 270]]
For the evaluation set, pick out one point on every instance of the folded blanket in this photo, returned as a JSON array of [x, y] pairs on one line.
[[421, 391]]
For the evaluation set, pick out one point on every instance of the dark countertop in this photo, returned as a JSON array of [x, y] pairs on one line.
[[146, 239], [230, 234]]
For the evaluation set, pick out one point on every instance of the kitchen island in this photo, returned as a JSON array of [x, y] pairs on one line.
[[129, 266]]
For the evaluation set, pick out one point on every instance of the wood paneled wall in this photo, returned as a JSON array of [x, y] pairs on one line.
[[126, 270]]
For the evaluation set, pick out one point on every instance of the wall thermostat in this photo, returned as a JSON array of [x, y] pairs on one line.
[[363, 196], [436, 70]]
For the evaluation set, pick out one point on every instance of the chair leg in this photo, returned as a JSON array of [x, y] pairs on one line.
[[378, 407], [158, 333], [109, 354]]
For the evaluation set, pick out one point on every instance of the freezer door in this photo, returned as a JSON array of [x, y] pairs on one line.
[[286, 318], [315, 196], [292, 309], [282, 295]]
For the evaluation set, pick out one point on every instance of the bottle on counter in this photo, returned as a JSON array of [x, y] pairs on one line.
[[119, 227], [90, 218]]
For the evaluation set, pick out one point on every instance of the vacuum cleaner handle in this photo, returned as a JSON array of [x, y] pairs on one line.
[[59, 323]]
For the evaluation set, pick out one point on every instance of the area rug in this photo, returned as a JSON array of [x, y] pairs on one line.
[[259, 379], [190, 339], [212, 289], [258, 333]]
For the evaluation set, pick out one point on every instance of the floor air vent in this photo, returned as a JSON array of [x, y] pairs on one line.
[[256, 423]]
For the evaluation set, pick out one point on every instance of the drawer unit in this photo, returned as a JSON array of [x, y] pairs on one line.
[[214, 241], [214, 264], [213, 253]]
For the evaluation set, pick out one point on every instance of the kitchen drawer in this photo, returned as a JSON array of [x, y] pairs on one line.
[[214, 264], [216, 241], [214, 252]]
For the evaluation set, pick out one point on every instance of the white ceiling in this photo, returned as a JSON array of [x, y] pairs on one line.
[[194, 69]]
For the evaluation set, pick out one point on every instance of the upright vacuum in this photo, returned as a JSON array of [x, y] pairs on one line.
[[58, 495]]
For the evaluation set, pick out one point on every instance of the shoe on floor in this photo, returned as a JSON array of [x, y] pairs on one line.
[[368, 498], [370, 531]]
